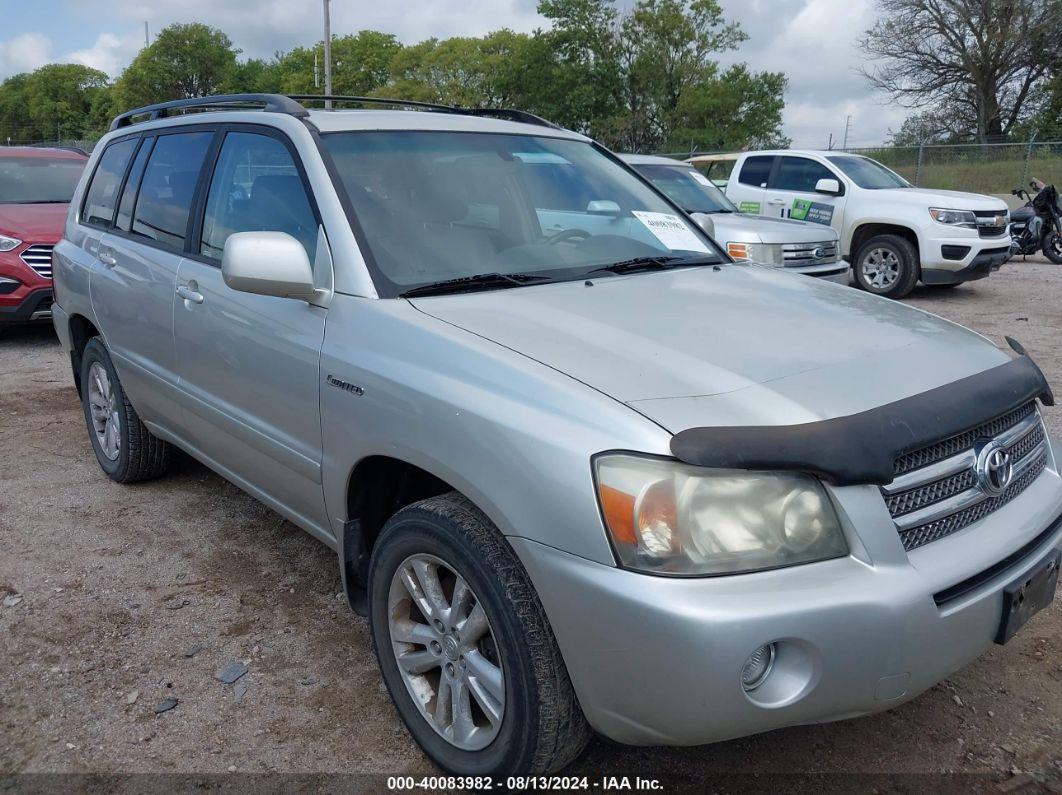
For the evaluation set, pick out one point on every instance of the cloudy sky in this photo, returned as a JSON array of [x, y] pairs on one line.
[[813, 41]]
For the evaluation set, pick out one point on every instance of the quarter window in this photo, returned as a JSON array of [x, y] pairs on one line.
[[800, 174], [755, 170], [166, 191], [102, 193], [256, 187]]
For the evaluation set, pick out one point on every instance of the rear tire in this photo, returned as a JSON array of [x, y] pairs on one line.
[[537, 726], [887, 265], [125, 449]]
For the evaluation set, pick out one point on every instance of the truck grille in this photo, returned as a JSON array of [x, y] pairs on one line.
[[39, 257], [991, 223], [936, 491], [795, 255]]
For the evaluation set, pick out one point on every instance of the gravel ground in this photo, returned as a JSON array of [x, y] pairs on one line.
[[121, 600]]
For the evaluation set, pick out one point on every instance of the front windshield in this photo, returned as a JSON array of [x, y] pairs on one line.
[[38, 180], [687, 187], [438, 206], [867, 173]]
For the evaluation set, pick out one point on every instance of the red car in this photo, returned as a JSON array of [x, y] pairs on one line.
[[35, 190]]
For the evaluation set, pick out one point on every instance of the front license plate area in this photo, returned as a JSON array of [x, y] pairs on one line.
[[1027, 595]]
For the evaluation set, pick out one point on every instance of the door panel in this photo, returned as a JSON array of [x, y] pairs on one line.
[[132, 294], [791, 193], [249, 378], [746, 188], [249, 365]]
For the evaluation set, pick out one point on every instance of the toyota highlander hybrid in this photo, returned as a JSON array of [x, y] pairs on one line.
[[580, 469]]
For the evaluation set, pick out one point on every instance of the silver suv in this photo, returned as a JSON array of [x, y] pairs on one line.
[[579, 468]]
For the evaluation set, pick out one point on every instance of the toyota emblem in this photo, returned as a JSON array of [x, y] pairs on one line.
[[994, 469]]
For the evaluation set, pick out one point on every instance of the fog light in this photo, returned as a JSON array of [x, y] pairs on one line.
[[757, 666]]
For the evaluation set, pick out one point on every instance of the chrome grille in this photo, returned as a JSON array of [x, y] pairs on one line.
[[936, 490], [963, 441], [39, 257], [992, 223], [795, 255]]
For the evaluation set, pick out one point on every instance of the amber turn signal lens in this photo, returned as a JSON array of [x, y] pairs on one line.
[[618, 508], [738, 250]]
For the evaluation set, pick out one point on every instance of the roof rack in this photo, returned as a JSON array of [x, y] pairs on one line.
[[271, 103], [508, 114], [291, 105]]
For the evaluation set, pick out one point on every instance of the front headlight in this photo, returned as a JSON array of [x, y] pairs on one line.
[[953, 217], [665, 517], [763, 253], [8, 243]]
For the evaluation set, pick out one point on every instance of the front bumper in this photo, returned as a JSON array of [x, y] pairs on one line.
[[958, 260], [657, 661], [32, 306]]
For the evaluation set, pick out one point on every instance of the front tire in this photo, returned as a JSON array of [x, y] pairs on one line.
[[1051, 245], [125, 449], [465, 648], [887, 265]]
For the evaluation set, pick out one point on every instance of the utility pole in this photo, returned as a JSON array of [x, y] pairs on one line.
[[829, 145], [147, 39], [327, 54], [847, 124]]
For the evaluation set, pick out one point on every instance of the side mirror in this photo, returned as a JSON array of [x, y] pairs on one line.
[[603, 207], [829, 186], [267, 263]]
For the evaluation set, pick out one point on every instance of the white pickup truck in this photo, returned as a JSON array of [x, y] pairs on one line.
[[893, 234]]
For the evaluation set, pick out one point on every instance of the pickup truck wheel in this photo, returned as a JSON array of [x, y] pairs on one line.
[[887, 265], [465, 648], [125, 449]]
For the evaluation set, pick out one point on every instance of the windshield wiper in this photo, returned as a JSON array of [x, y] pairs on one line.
[[662, 262], [479, 281]]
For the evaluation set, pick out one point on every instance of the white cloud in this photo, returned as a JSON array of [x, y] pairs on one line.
[[109, 53], [24, 53]]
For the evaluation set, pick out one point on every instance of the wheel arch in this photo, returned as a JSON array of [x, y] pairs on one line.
[[868, 229], [81, 331], [377, 488]]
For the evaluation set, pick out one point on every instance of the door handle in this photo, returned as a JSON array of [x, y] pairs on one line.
[[105, 254], [776, 201], [189, 293]]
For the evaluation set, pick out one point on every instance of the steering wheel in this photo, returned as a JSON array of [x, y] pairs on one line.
[[566, 234]]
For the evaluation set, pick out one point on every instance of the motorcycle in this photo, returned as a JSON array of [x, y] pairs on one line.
[[1037, 225]]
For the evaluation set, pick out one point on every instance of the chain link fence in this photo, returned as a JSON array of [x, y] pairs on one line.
[[978, 168]]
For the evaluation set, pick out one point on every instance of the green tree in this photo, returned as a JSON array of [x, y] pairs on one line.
[[192, 60], [472, 72], [360, 64], [734, 110], [57, 100]]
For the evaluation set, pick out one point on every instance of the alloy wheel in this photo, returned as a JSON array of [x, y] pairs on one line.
[[103, 408], [446, 652], [881, 268]]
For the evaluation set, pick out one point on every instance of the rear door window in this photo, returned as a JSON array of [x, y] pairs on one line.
[[102, 194], [132, 185], [164, 201], [755, 170]]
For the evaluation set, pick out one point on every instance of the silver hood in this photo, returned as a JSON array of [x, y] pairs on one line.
[[739, 345]]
